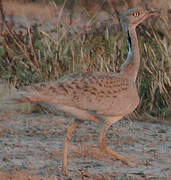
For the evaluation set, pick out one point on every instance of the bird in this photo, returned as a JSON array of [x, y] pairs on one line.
[[101, 97]]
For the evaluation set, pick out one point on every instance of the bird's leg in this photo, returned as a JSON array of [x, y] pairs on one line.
[[103, 146], [67, 142]]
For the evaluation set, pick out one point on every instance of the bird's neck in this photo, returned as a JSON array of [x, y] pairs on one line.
[[131, 66]]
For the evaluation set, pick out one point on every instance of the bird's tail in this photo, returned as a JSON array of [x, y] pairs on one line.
[[24, 97], [10, 97], [20, 100]]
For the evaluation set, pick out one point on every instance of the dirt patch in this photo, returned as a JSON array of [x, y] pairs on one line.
[[33, 144]]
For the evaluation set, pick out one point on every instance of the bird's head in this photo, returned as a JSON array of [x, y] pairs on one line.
[[134, 16]]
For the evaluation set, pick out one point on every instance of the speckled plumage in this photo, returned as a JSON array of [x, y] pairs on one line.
[[103, 93]]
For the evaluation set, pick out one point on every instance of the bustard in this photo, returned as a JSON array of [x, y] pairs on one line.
[[102, 97]]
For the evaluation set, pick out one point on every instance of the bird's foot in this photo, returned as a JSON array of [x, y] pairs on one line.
[[129, 163], [120, 157]]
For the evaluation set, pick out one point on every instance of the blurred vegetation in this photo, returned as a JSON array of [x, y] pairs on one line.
[[32, 56], [61, 1]]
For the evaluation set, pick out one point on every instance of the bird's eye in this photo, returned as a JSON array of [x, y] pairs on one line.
[[136, 14]]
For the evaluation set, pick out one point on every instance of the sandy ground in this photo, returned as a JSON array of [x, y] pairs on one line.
[[33, 144]]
